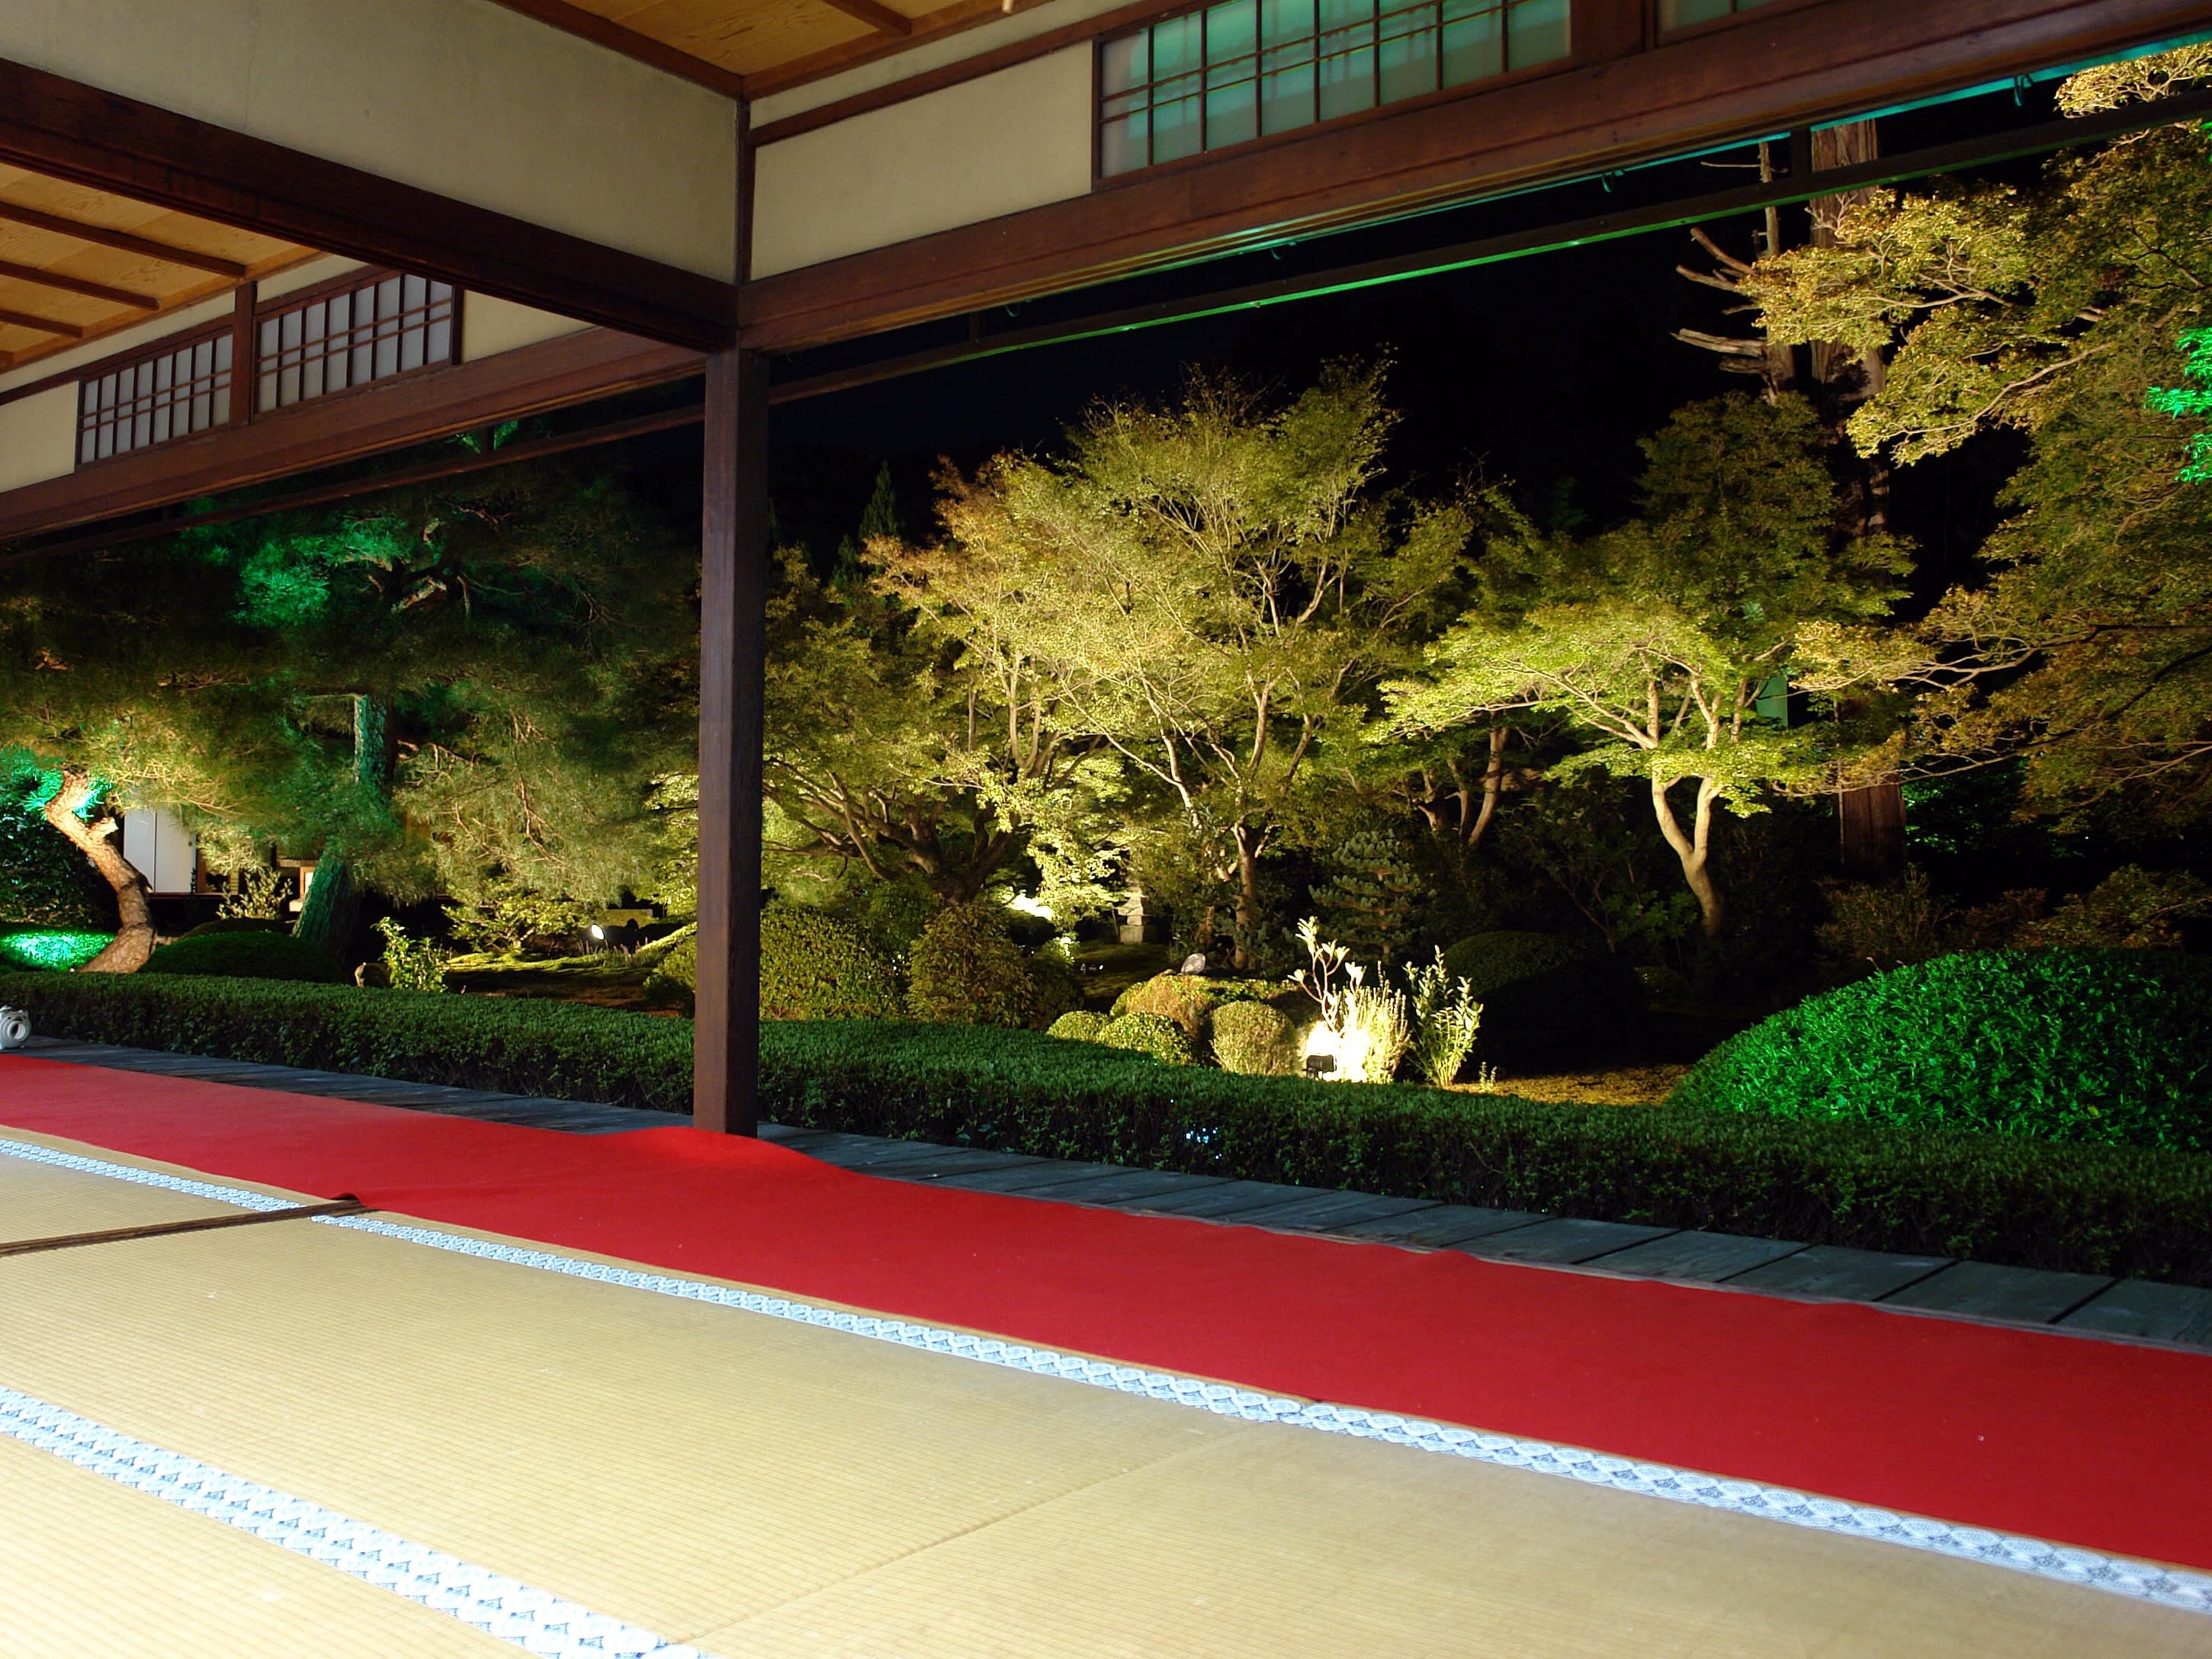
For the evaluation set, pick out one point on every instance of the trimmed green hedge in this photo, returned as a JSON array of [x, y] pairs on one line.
[[2102, 1048], [251, 953], [2116, 1210]]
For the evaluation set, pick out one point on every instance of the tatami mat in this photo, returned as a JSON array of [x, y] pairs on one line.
[[760, 1487], [90, 1569], [40, 1201]]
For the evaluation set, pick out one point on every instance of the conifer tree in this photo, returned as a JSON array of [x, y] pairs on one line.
[[1375, 901]]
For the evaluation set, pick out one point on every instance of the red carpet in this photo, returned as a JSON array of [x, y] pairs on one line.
[[2088, 1443]]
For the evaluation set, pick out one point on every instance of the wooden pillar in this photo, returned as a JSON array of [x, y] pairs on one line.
[[733, 562]]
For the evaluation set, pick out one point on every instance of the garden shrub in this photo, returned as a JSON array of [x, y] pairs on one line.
[[2082, 1209], [1079, 1025], [44, 881], [1189, 998], [411, 964], [237, 925], [1543, 994], [965, 969], [2102, 1046], [812, 966], [1255, 1039], [1149, 1034], [256, 954]]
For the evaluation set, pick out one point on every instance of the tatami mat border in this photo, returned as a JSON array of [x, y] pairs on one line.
[[534, 1620], [2144, 1581]]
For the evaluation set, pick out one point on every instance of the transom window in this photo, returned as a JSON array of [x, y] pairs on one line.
[[1245, 69], [178, 390], [372, 329], [1682, 13]]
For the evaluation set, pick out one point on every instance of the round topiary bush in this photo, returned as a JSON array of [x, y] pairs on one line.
[[1544, 994], [2098, 1046], [965, 969], [1149, 1034], [1188, 998], [812, 966], [1256, 1039], [237, 925], [253, 955], [1079, 1025]]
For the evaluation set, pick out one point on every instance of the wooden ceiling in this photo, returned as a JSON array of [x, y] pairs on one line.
[[76, 264], [749, 48]]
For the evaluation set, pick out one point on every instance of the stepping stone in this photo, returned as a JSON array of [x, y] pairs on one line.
[[869, 1153], [2028, 1296], [1705, 1257], [1227, 1200], [960, 1160], [1126, 1188], [2157, 1313], [1441, 1225], [1334, 1212], [1561, 1240], [1040, 1178], [1848, 1275]]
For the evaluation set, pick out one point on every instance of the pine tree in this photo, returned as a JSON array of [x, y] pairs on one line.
[[1373, 903]]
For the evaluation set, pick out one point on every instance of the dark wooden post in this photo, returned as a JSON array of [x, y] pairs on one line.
[[733, 585]]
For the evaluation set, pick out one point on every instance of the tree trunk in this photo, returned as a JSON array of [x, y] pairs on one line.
[[1493, 784], [333, 902], [1693, 847], [1247, 895], [332, 906], [134, 935]]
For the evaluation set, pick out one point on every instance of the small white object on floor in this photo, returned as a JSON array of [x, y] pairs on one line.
[[14, 1028], [1192, 964]]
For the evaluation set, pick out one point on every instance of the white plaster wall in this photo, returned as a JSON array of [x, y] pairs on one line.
[[37, 437], [490, 325], [306, 274], [463, 97], [159, 847], [1024, 25], [1002, 143]]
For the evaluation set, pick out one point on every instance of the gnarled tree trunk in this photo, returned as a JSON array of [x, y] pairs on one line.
[[134, 935], [333, 901]]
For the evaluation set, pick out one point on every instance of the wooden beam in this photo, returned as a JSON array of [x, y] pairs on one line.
[[878, 16], [70, 130], [100, 236], [61, 284], [372, 483], [1764, 74], [733, 590], [1802, 185], [383, 415], [954, 19], [43, 325], [606, 31]]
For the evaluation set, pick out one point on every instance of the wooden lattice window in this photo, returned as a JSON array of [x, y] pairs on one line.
[[371, 327], [181, 388], [1244, 69]]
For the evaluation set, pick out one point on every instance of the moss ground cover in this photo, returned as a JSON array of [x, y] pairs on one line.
[[59, 949], [2106, 1209], [2108, 1047]]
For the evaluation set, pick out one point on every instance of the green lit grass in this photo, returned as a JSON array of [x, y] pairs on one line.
[[52, 948]]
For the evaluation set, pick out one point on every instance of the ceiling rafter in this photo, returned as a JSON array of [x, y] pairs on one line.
[[101, 236], [78, 285], [43, 325], [876, 15]]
